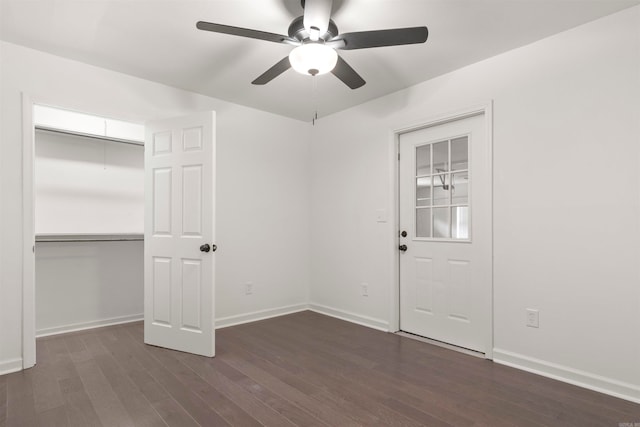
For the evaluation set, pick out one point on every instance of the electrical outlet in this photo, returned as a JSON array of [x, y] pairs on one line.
[[533, 320], [248, 288], [365, 289]]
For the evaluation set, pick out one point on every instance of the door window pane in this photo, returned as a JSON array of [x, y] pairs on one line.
[[423, 160], [441, 223], [460, 153], [441, 189], [460, 222], [423, 191], [423, 222], [441, 157], [460, 189]]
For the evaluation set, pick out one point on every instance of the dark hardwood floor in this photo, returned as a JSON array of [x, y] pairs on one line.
[[304, 369]]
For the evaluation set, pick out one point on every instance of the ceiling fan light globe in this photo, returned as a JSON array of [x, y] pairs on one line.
[[313, 59]]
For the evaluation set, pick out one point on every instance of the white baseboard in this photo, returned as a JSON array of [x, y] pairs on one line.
[[381, 325], [254, 316], [11, 365], [88, 325], [569, 375]]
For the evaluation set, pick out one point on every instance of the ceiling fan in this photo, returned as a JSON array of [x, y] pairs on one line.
[[316, 38]]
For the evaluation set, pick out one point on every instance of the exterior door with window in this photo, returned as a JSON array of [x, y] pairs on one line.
[[179, 233], [445, 226]]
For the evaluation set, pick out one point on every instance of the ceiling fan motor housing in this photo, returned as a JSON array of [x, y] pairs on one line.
[[298, 32]]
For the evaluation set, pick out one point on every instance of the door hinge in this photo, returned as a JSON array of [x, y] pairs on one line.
[[398, 156]]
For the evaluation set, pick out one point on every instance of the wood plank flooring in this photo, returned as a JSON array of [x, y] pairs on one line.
[[304, 369]]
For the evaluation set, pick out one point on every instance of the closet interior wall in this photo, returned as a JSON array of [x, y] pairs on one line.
[[89, 216]]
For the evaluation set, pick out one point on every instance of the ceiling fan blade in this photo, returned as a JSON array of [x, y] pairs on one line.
[[316, 16], [348, 75], [244, 32], [380, 38], [273, 72]]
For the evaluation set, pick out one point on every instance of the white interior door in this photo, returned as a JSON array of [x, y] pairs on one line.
[[445, 224], [179, 224]]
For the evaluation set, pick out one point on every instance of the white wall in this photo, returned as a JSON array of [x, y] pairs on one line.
[[566, 200], [87, 185], [261, 158], [84, 284]]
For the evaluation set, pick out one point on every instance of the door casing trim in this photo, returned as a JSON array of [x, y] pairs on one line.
[[28, 235], [485, 109]]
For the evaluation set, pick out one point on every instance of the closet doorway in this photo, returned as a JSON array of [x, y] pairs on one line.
[[89, 221], [173, 223]]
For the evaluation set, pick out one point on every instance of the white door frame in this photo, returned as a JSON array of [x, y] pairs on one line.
[[394, 151], [28, 235], [28, 223]]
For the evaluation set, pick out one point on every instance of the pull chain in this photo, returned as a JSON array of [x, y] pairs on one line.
[[314, 96], [104, 148]]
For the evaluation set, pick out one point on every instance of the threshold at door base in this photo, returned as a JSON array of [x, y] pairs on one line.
[[441, 344]]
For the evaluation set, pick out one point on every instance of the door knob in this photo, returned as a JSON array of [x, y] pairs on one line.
[[403, 234], [205, 248], [403, 248]]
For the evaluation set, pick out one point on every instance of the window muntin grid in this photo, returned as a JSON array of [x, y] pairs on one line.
[[442, 202]]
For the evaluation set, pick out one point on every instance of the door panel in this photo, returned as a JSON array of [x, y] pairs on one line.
[[424, 284], [180, 196], [162, 201], [161, 280], [445, 208], [192, 201], [191, 286]]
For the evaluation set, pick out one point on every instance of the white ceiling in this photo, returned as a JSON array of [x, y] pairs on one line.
[[157, 40]]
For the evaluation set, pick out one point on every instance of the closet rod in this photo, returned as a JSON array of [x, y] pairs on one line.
[[88, 135], [90, 238]]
